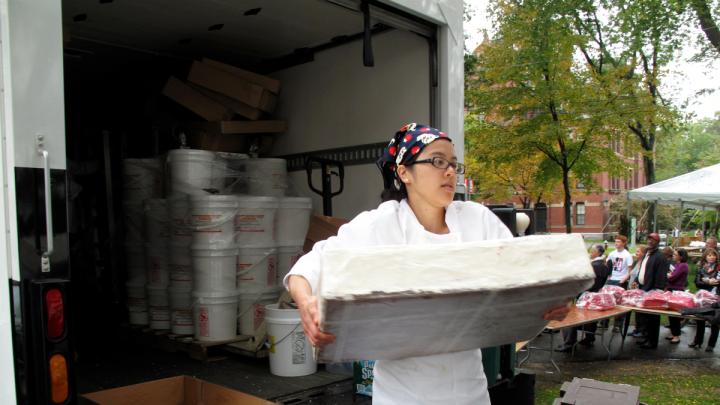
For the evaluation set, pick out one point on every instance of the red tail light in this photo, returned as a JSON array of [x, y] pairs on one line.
[[55, 310]]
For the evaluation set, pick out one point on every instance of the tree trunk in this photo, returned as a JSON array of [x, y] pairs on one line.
[[707, 23], [649, 164], [568, 200]]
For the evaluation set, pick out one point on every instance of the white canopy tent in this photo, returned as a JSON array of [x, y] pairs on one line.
[[699, 189]]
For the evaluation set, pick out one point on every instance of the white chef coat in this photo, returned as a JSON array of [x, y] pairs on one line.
[[451, 378]]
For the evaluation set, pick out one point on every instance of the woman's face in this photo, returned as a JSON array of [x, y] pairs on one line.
[[711, 258], [676, 257], [433, 185]]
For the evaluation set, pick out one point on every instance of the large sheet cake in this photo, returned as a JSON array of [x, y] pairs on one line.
[[392, 302]]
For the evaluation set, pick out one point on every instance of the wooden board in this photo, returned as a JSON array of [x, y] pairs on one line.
[[195, 101], [238, 127], [265, 82], [579, 316], [238, 107], [233, 86]]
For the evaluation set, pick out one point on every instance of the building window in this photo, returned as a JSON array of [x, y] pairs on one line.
[[580, 214]]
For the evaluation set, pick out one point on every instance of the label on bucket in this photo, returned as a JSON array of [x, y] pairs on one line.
[[207, 220], [159, 314], [298, 347], [182, 317], [272, 272], [203, 322], [258, 316], [249, 223]]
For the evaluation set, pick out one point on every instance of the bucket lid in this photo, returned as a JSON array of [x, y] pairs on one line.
[[258, 246], [154, 162], [232, 156], [296, 202], [286, 245], [199, 250], [272, 312], [256, 201], [155, 288], [180, 154], [155, 203], [180, 289], [215, 294], [267, 160], [213, 198]]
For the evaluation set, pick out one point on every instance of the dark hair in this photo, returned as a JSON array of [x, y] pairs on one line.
[[683, 255], [390, 194], [708, 251], [668, 251], [600, 249]]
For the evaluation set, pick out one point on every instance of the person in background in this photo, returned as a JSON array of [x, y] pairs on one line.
[[677, 281], [639, 253], [707, 278], [601, 274], [711, 243], [419, 169], [652, 276], [620, 261]]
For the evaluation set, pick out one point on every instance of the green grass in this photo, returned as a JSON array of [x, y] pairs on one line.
[[660, 382]]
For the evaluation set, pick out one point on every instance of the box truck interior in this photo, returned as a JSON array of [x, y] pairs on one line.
[[347, 83]]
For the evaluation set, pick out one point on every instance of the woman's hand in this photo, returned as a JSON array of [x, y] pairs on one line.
[[557, 313], [311, 321], [308, 307]]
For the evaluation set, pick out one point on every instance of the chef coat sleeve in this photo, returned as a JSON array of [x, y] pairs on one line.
[[358, 232]]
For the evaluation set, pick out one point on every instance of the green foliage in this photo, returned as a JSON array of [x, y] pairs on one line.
[[689, 148]]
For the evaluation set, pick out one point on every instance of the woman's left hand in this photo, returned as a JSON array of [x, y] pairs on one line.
[[557, 313]]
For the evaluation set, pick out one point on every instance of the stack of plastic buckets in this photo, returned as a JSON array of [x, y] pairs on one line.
[[142, 179], [157, 231], [293, 220]]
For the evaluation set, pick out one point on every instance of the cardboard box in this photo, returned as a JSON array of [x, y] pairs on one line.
[[239, 127], [233, 86], [195, 101], [265, 82], [237, 107], [181, 390], [321, 228]]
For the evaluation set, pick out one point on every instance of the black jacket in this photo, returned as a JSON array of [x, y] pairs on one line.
[[601, 274], [655, 271], [702, 273]]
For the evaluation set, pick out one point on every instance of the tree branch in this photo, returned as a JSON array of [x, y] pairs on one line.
[[707, 23]]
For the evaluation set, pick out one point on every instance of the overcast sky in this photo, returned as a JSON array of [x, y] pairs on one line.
[[686, 78]]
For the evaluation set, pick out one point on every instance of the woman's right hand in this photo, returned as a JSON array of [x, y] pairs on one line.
[[311, 323], [308, 307]]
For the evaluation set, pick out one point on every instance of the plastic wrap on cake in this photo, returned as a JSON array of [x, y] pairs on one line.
[[392, 302]]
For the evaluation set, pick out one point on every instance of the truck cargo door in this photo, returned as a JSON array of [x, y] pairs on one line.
[[34, 204]]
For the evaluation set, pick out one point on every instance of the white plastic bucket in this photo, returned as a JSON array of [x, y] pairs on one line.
[[142, 179], [157, 266], [138, 318], [212, 219], [266, 177], [136, 297], [214, 270], [157, 221], [290, 351], [133, 222], [191, 171], [251, 310], [135, 263], [257, 268], [158, 308], [180, 266], [215, 315], [293, 219], [235, 175], [180, 232], [288, 255], [181, 318], [255, 220], [181, 321]]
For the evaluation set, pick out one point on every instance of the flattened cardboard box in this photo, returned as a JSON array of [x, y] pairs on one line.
[[393, 302], [181, 390]]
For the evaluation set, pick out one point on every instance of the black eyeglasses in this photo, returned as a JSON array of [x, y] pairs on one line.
[[443, 164]]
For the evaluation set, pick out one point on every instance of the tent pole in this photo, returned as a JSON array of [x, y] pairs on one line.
[[682, 208], [703, 221], [655, 216]]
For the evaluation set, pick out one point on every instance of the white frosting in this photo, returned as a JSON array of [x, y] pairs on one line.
[[456, 267]]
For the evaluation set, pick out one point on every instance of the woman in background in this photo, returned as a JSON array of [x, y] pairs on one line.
[[677, 281]]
